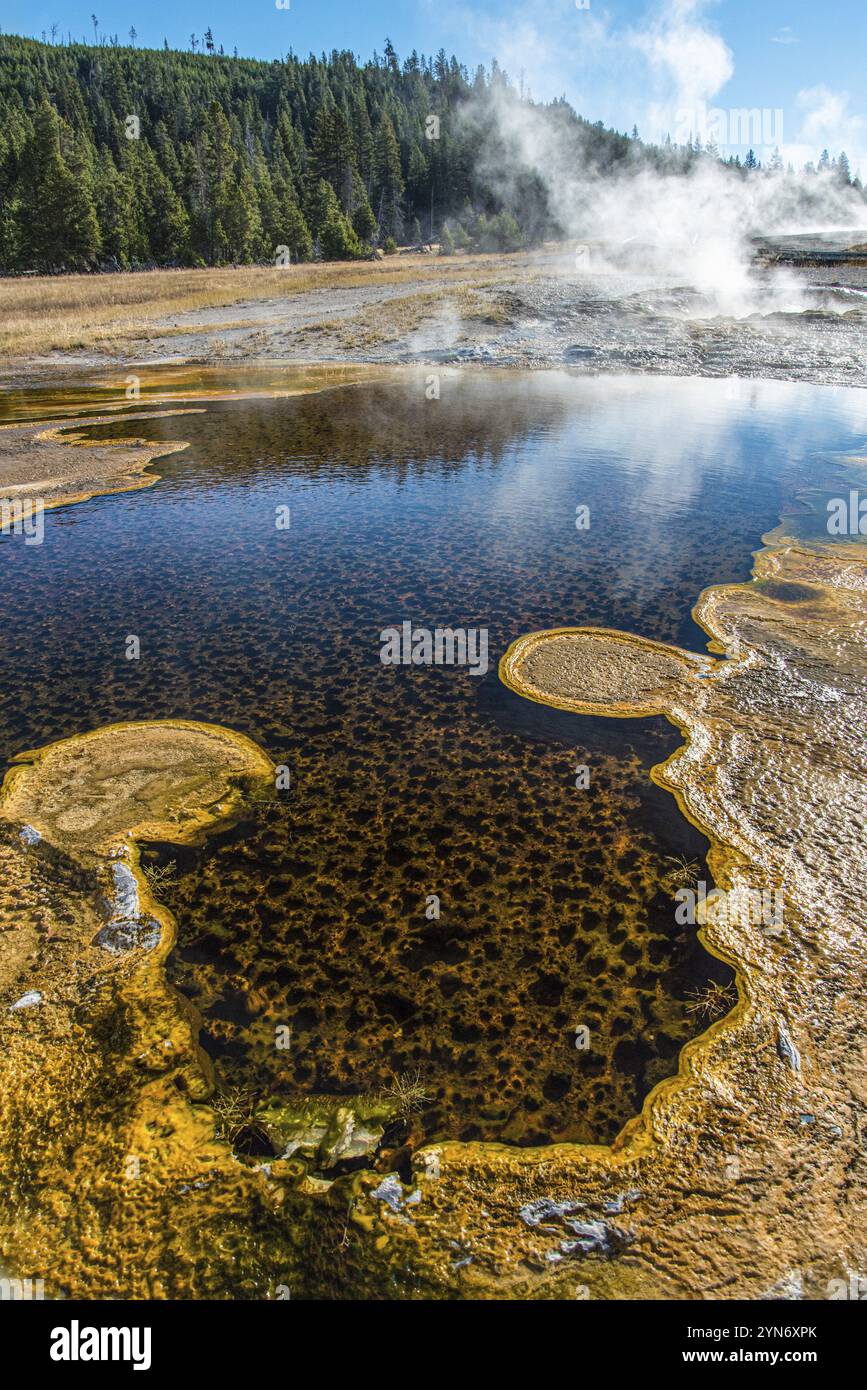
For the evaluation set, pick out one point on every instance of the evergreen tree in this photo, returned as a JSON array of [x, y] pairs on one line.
[[229, 155], [57, 207], [240, 218], [363, 219], [363, 139], [293, 230], [115, 209], [332, 156], [387, 180], [220, 187], [170, 234], [336, 236]]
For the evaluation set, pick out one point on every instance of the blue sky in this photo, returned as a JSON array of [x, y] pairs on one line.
[[652, 62]]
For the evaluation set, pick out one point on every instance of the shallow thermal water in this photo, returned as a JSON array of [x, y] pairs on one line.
[[556, 902]]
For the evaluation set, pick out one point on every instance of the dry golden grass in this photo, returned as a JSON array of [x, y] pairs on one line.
[[44, 314]]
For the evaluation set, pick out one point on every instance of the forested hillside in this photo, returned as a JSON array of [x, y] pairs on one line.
[[115, 156]]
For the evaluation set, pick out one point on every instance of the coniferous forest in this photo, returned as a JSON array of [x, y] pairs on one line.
[[112, 157], [116, 157]]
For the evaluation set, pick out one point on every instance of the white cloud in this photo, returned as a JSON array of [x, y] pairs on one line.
[[642, 73], [656, 73], [692, 61], [557, 47]]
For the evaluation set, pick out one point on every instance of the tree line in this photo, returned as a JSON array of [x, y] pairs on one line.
[[115, 157]]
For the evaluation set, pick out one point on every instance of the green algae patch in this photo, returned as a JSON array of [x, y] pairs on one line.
[[327, 1131]]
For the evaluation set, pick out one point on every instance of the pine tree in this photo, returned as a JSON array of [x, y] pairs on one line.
[[293, 230], [266, 199], [320, 199], [320, 164], [363, 219], [388, 182], [115, 209], [220, 188], [170, 234], [363, 139], [418, 178], [241, 221], [336, 236], [57, 208]]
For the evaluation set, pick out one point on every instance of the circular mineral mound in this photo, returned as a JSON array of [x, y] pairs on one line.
[[154, 779], [594, 670]]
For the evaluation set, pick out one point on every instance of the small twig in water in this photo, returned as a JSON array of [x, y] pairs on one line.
[[712, 1000], [408, 1090]]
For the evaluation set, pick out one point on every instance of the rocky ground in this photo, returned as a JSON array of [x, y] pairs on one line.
[[549, 315], [792, 317]]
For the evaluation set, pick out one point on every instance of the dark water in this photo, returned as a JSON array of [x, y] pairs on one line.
[[556, 903]]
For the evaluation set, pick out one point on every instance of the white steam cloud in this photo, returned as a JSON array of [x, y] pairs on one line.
[[696, 227], [690, 59]]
